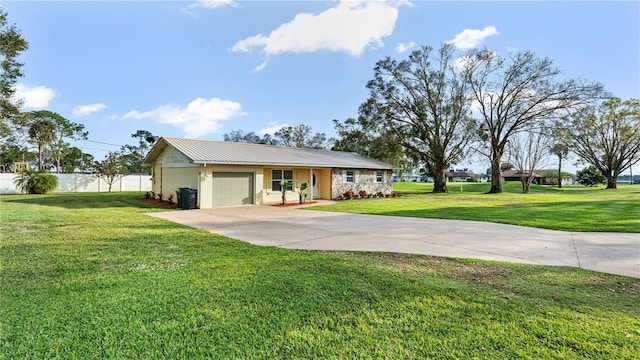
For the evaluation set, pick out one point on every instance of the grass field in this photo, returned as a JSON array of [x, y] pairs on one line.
[[90, 276], [571, 208]]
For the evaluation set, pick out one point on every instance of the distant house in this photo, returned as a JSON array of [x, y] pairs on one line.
[[459, 176], [541, 177], [229, 174]]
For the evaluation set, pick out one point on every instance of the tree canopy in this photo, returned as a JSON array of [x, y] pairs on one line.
[[112, 168], [363, 137], [606, 136], [133, 155], [48, 129], [11, 45], [517, 93], [424, 101], [299, 136]]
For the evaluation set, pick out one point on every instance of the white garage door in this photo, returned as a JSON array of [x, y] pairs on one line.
[[232, 188]]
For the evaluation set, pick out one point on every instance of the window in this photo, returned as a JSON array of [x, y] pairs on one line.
[[350, 176], [379, 176], [277, 176]]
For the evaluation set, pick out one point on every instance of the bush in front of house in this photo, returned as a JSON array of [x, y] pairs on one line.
[[36, 182], [352, 195]]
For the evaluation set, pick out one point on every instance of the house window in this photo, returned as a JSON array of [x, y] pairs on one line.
[[379, 176], [277, 176], [350, 177]]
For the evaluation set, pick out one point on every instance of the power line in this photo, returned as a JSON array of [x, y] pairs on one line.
[[100, 142], [86, 148]]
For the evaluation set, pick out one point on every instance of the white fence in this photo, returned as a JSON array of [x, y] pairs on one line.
[[84, 183]]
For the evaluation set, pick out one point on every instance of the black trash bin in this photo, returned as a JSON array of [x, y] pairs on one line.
[[190, 199], [181, 196]]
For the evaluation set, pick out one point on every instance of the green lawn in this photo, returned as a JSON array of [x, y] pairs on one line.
[[90, 276], [574, 208]]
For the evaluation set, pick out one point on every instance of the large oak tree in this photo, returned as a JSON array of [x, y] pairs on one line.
[[607, 136], [424, 101], [516, 93]]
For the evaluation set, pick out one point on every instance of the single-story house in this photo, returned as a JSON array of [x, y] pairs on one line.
[[229, 173], [541, 177], [459, 176]]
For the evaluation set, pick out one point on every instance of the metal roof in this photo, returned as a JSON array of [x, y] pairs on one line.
[[232, 153]]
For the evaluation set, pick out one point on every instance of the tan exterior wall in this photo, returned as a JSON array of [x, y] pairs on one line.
[[174, 178], [300, 175], [363, 180]]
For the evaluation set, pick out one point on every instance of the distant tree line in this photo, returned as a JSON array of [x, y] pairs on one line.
[[299, 136]]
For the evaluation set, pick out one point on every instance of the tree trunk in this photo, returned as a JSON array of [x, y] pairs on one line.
[[496, 183], [39, 157], [612, 182], [440, 179], [560, 172]]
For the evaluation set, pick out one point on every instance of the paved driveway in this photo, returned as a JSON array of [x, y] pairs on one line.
[[616, 253]]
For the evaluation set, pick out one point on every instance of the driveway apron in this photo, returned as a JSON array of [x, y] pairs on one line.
[[615, 253]]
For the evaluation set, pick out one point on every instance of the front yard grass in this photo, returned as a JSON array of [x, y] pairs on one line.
[[90, 276], [574, 208]]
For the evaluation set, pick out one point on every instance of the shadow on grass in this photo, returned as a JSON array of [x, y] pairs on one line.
[[592, 216], [84, 200]]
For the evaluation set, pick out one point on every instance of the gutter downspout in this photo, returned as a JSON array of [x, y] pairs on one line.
[[198, 184]]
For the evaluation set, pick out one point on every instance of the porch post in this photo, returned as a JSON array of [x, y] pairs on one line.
[[310, 184]]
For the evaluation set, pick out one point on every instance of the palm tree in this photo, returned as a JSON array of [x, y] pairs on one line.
[[41, 133]]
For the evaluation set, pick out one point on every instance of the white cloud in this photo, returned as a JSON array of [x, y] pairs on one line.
[[34, 96], [208, 4], [402, 47], [260, 67], [470, 38], [272, 127], [201, 117], [84, 110], [350, 26], [212, 4]]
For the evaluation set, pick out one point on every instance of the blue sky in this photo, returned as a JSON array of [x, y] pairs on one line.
[[205, 68]]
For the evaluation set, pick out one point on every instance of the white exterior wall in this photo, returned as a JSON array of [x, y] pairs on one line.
[[172, 170], [83, 183]]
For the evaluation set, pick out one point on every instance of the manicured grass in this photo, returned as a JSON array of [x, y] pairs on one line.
[[91, 276], [574, 208]]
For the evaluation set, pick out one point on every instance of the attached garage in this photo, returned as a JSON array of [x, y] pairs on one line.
[[232, 188]]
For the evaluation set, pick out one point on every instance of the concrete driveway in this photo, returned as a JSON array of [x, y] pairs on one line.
[[615, 253]]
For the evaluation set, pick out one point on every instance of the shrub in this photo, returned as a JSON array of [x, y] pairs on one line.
[[36, 182], [590, 176]]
